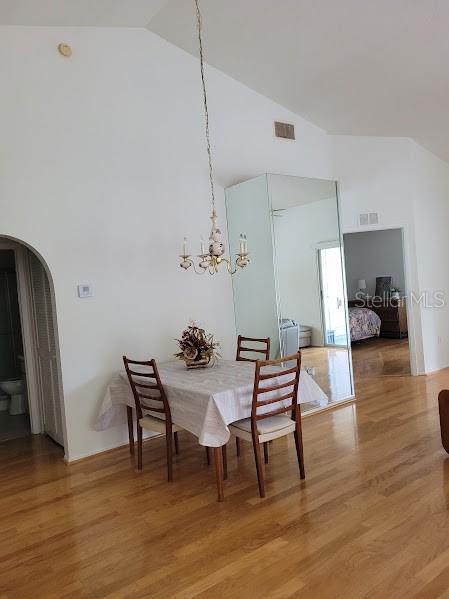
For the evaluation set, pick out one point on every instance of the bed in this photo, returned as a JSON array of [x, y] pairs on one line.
[[363, 324]]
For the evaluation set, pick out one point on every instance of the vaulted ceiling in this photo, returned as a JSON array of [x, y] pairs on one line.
[[79, 13], [355, 67]]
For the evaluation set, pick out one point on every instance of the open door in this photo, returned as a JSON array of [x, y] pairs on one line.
[[332, 296], [46, 352]]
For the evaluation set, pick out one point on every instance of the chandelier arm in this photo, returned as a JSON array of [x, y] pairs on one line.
[[198, 272], [206, 111]]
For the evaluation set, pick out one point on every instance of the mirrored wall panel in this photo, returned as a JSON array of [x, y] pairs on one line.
[[248, 210], [293, 291]]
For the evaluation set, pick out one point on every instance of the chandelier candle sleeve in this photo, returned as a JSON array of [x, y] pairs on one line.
[[213, 255]]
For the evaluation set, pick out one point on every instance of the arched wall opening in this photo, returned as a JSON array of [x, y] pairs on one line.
[[39, 329]]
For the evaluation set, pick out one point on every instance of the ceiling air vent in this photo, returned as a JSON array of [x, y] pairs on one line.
[[284, 130], [368, 218]]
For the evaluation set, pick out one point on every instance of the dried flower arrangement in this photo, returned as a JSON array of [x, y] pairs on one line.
[[198, 348]]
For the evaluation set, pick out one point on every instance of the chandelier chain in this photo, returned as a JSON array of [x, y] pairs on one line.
[[206, 111]]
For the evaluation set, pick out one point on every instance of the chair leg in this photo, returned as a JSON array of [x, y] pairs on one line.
[[168, 440], [265, 452], [259, 466], [225, 462], [129, 413], [208, 455], [175, 437], [139, 447], [219, 472], [237, 444], [299, 449]]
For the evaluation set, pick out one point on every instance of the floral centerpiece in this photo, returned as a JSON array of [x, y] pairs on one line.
[[198, 348]]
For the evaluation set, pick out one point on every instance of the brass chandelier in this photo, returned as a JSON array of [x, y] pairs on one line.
[[212, 256]]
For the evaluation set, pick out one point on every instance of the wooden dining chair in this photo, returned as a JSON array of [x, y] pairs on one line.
[[262, 347], [265, 350], [150, 396], [274, 416], [157, 420]]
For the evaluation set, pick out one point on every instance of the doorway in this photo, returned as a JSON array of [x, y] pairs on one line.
[[14, 409], [332, 296], [31, 382], [378, 303]]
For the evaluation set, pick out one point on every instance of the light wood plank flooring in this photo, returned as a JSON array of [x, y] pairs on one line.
[[370, 359], [370, 520], [381, 357], [12, 427]]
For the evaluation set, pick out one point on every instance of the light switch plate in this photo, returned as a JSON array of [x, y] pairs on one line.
[[85, 290]]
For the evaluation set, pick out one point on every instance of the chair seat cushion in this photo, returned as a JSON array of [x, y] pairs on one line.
[[266, 425], [156, 425]]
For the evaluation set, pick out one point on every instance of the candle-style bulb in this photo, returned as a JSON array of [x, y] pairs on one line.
[[241, 244]]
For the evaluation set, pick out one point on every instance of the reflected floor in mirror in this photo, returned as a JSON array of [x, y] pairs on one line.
[[330, 371]]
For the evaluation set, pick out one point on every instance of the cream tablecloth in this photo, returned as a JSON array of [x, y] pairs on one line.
[[202, 401]]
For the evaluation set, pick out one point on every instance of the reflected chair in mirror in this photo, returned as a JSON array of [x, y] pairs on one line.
[[149, 395], [275, 411], [262, 347]]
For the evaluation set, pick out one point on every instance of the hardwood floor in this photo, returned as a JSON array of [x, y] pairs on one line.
[[381, 357], [370, 520], [12, 427]]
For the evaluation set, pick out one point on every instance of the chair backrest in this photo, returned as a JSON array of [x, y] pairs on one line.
[[258, 349], [283, 392], [147, 395]]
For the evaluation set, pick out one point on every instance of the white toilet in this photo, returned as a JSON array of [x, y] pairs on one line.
[[15, 389]]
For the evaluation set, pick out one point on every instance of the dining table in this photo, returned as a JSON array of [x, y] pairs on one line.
[[203, 401]]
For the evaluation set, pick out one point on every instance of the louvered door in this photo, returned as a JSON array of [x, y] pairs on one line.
[[46, 350]]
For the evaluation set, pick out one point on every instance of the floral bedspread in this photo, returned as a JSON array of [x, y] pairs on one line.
[[363, 323]]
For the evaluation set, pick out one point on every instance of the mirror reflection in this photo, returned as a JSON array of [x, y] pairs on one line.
[[294, 291]]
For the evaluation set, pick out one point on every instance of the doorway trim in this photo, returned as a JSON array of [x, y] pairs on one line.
[[29, 338], [411, 321]]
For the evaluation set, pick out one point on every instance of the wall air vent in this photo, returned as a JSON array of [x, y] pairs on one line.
[[368, 218], [284, 130]]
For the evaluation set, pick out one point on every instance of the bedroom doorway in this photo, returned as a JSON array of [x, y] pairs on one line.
[[377, 303]]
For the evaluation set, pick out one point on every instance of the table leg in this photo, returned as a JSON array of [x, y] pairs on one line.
[[129, 413], [218, 455]]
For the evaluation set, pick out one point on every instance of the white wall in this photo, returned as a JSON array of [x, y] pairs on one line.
[[372, 254], [103, 170], [375, 174], [409, 187], [431, 206]]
